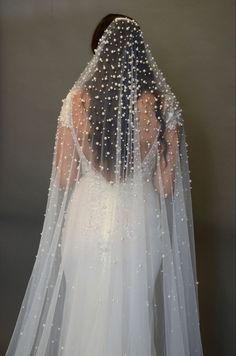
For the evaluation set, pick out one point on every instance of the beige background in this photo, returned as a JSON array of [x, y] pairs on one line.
[[44, 47]]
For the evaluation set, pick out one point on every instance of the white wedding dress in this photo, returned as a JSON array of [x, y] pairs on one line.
[[105, 244]]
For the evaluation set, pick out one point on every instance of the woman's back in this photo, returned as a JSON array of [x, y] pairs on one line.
[[148, 128]]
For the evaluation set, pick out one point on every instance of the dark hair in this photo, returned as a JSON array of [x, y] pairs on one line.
[[147, 84], [102, 26]]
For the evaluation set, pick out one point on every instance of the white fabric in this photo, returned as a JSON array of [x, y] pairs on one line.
[[115, 272]]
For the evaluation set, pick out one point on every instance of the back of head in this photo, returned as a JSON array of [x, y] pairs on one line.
[[102, 26]]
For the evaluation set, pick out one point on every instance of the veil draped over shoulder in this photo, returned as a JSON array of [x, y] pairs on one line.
[[115, 272]]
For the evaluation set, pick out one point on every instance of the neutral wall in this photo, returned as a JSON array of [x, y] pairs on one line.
[[44, 47]]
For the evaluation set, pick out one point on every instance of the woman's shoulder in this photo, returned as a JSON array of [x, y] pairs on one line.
[[80, 97]]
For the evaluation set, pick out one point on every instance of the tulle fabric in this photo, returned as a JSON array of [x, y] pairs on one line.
[[115, 273]]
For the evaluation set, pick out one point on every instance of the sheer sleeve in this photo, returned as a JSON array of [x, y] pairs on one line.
[[167, 154], [67, 157], [65, 113], [171, 114]]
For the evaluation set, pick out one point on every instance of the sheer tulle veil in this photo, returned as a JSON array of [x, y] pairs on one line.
[[120, 131]]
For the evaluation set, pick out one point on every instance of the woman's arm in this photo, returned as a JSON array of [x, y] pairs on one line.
[[66, 157], [167, 172]]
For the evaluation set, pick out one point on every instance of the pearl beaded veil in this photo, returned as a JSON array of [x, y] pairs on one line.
[[118, 217]]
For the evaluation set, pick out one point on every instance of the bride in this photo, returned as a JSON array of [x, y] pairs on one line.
[[115, 272]]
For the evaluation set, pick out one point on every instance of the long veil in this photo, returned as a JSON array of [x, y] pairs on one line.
[[120, 148]]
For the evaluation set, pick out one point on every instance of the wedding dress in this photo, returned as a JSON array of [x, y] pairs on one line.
[[115, 272]]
